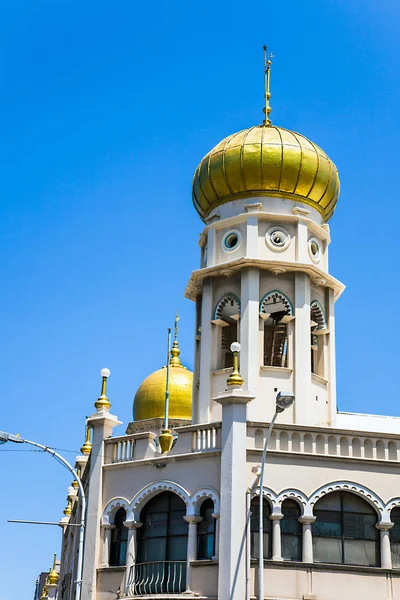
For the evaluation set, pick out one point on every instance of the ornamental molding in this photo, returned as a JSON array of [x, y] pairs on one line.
[[297, 495], [277, 297], [223, 301], [111, 509], [348, 486], [198, 498], [268, 494], [152, 489]]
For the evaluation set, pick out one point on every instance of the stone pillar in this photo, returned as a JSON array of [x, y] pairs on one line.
[[250, 359], [276, 536], [303, 407], [133, 526], [191, 547], [105, 559], [386, 553], [216, 542], [52, 590], [307, 550], [102, 424], [331, 358], [232, 542], [201, 412]]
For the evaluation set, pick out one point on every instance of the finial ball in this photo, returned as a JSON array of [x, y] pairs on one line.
[[105, 372], [235, 347]]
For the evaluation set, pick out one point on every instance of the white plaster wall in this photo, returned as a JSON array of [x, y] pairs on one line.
[[289, 254]]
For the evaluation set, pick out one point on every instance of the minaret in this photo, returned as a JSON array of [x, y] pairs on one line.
[[266, 195]]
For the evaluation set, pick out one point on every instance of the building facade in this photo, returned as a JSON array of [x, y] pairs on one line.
[[185, 522]]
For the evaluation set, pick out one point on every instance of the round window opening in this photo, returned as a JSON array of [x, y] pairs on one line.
[[231, 241], [314, 249], [277, 238]]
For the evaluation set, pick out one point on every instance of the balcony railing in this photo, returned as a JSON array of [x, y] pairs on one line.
[[160, 577]]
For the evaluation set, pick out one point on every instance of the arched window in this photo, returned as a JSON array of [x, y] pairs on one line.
[[318, 324], [395, 537], [344, 531], [119, 540], [206, 531], [291, 531], [254, 528], [276, 310], [226, 317], [162, 546]]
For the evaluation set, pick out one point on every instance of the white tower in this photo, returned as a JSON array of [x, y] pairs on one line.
[[265, 195]]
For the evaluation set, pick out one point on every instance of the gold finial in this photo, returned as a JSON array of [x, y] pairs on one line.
[[53, 575], [267, 80], [175, 351], [75, 484], [103, 402], [45, 593], [68, 509], [235, 377], [87, 446]]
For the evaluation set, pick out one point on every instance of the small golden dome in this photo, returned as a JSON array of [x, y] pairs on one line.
[[53, 576], [149, 402], [266, 161]]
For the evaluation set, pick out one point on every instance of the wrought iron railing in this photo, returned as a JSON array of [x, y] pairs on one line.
[[160, 577]]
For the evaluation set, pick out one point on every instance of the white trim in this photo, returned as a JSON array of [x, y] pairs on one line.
[[151, 490], [267, 493], [292, 494], [349, 486], [271, 245], [112, 507], [237, 245], [198, 498]]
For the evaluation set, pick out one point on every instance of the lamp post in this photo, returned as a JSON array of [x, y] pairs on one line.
[[283, 401], [9, 437]]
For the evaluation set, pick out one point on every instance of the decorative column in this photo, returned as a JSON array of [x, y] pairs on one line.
[[232, 543], [105, 558], [216, 541], [249, 324], [191, 547], [303, 407], [386, 553], [276, 535], [102, 424], [307, 550], [133, 526], [201, 412]]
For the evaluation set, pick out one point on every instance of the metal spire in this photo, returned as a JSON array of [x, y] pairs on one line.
[[267, 80]]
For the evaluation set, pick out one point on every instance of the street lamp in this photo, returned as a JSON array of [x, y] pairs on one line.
[[9, 437], [283, 400]]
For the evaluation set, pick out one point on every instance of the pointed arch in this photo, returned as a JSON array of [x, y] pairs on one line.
[[112, 508], [318, 314], [152, 489], [223, 303], [198, 498], [276, 297], [349, 486]]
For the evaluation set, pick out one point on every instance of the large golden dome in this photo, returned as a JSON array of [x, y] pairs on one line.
[[266, 161], [149, 402]]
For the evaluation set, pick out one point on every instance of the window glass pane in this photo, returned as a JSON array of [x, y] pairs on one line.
[[177, 548], [329, 502], [327, 524], [255, 515], [327, 550], [290, 521], [360, 552], [395, 555], [359, 526], [122, 553], [353, 503], [395, 531], [291, 547], [152, 549], [254, 545], [205, 546], [154, 525], [159, 503], [177, 524]]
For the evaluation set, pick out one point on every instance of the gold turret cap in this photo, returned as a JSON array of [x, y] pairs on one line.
[[53, 576], [68, 509], [149, 402], [103, 402], [75, 484], [87, 446], [45, 593]]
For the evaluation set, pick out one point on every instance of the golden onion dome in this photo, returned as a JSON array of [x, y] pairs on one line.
[[266, 161], [149, 402]]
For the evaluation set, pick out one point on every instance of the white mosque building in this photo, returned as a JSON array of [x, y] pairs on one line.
[[183, 523]]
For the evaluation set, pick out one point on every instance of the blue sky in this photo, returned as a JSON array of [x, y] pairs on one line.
[[106, 110]]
